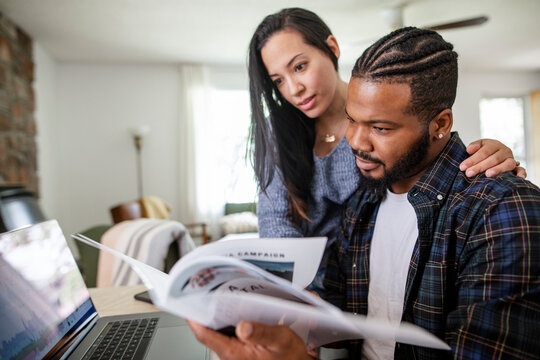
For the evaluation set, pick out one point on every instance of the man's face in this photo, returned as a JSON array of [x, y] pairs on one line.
[[390, 146]]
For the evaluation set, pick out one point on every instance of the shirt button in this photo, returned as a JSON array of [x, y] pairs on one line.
[[439, 197], [354, 266]]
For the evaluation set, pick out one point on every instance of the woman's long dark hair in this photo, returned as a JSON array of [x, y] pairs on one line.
[[282, 136]]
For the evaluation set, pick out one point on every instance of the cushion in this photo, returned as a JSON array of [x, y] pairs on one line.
[[239, 223]]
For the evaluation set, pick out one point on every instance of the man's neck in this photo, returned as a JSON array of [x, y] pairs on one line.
[[406, 184]]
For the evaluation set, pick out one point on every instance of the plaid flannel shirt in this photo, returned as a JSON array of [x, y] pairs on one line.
[[474, 276]]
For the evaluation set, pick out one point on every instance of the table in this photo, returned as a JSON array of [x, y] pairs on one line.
[[119, 300]]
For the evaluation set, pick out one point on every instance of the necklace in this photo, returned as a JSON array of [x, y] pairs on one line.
[[329, 138]]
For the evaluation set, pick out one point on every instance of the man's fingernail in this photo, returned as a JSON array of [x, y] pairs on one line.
[[470, 173], [462, 167], [245, 330]]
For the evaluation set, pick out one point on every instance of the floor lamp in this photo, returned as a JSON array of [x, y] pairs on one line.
[[138, 133]]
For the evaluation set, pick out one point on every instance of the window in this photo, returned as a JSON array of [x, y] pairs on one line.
[[503, 119], [230, 109], [216, 130]]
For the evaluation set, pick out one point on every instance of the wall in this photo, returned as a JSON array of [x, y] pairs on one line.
[[94, 152], [18, 161], [45, 115], [472, 86], [534, 131]]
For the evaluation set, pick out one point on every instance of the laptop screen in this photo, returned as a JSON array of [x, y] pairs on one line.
[[42, 293]]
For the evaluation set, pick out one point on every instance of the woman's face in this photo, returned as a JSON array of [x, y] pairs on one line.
[[304, 74]]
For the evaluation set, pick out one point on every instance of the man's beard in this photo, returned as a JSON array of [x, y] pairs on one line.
[[406, 166]]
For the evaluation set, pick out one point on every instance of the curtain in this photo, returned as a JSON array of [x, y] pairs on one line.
[[191, 90], [200, 191], [214, 127]]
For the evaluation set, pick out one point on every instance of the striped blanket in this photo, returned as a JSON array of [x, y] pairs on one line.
[[147, 240]]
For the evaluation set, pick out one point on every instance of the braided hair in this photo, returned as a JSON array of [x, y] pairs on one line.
[[421, 58]]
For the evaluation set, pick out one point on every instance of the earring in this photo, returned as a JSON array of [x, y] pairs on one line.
[[440, 136]]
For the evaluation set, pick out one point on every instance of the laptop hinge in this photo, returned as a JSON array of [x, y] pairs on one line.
[[74, 339]]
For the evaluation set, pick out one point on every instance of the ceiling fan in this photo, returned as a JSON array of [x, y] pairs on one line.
[[393, 17]]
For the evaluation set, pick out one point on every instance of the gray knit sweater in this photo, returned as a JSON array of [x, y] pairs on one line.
[[335, 178]]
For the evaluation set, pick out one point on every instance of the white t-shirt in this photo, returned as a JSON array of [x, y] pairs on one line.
[[394, 236]]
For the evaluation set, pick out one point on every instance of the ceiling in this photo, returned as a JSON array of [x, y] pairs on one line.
[[218, 31]]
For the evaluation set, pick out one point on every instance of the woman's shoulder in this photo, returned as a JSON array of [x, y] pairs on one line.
[[336, 176]]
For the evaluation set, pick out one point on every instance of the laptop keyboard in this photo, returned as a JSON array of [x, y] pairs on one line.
[[121, 340]]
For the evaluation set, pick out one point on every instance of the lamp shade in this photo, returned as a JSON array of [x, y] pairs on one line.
[[140, 131]]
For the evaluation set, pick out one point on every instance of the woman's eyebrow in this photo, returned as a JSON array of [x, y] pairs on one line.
[[294, 58], [289, 63]]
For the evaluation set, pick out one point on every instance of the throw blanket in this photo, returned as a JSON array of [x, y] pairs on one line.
[[147, 240], [154, 207]]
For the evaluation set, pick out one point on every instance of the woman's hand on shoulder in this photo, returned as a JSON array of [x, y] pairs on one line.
[[492, 157]]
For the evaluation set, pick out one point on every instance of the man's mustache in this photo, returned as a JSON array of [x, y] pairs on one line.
[[365, 156]]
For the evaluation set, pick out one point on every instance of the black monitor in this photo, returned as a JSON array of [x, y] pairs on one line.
[[19, 207]]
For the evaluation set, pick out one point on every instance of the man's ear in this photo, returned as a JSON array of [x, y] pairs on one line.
[[333, 45], [441, 125]]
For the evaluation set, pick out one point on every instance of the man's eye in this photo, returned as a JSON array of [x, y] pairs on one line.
[[380, 129]]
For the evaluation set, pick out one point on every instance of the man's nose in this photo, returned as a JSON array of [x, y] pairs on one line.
[[358, 138]]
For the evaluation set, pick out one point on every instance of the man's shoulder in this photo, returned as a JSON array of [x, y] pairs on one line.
[[494, 189]]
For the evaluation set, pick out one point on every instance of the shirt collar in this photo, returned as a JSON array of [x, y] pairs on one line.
[[438, 179]]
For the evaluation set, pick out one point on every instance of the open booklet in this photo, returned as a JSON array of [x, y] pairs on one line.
[[261, 280]]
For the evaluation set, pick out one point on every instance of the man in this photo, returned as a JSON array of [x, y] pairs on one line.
[[421, 242]]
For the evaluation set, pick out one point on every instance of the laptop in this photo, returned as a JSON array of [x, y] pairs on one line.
[[46, 310]]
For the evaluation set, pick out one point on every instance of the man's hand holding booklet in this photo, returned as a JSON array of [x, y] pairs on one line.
[[261, 280]]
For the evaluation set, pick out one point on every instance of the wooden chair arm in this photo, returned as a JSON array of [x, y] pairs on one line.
[[203, 234]]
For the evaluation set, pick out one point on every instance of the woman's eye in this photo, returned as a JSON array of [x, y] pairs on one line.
[[300, 67], [277, 82]]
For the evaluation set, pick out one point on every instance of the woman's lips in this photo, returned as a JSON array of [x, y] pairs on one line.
[[366, 165], [307, 103]]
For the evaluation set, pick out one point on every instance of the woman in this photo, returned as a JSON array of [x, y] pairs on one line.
[[304, 166]]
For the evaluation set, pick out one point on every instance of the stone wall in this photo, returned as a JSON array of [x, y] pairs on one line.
[[18, 160]]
